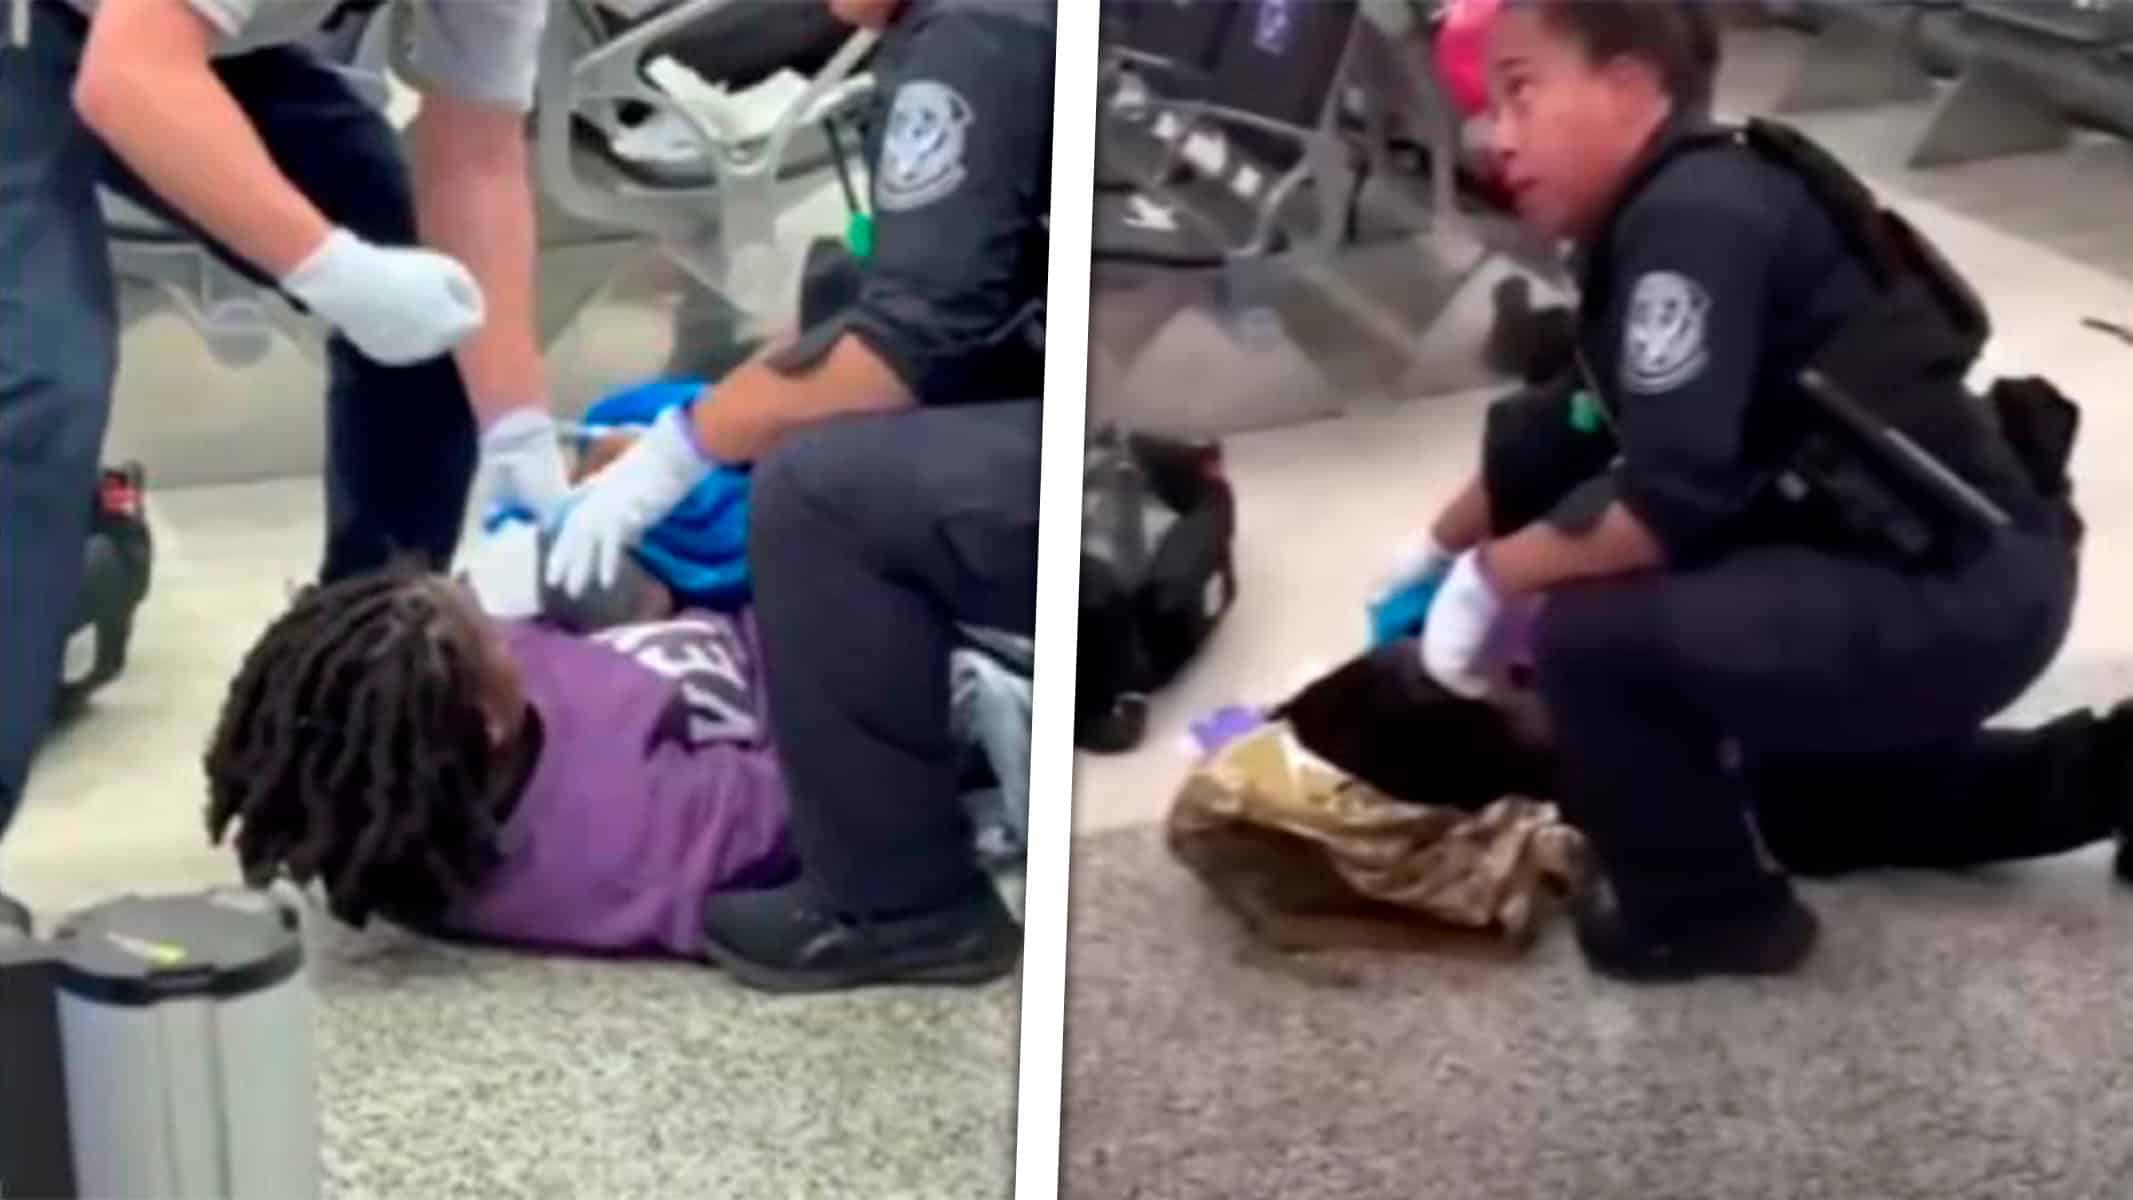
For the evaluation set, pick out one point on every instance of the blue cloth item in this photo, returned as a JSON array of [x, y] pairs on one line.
[[1402, 612], [700, 550]]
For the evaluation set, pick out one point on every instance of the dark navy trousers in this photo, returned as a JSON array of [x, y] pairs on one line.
[[401, 441], [1832, 706], [874, 541]]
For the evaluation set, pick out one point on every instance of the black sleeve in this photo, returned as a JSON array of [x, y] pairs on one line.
[[961, 183], [1686, 321]]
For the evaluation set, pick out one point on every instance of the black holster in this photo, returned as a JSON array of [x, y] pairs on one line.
[[1896, 458]]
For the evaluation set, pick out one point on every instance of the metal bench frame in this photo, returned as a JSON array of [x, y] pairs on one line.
[[1323, 160], [2006, 102], [1303, 276], [722, 231], [2003, 100]]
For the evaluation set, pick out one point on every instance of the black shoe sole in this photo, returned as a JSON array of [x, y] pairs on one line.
[[994, 964], [14, 918], [1793, 945]]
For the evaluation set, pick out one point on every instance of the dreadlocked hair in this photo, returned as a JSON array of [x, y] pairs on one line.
[[353, 750]]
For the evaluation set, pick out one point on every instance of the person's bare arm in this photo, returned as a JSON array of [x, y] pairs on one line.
[[474, 201], [866, 14], [145, 88], [757, 406], [1541, 556], [1465, 521]]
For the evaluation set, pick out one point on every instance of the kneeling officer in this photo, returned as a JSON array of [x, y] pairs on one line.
[[893, 509], [1764, 545]]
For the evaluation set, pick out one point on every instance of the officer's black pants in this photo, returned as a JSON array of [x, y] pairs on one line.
[[400, 440], [1838, 703], [872, 540]]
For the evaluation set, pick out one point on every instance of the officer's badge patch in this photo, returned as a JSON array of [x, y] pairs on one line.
[[1663, 343], [922, 153]]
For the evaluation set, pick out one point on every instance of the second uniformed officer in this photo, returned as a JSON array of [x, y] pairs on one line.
[[894, 502], [1756, 636]]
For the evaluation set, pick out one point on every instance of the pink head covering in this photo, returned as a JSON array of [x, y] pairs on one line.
[[1462, 53]]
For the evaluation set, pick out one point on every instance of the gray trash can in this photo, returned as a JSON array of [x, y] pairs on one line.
[[187, 1029]]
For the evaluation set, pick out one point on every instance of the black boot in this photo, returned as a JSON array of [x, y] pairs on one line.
[[2114, 742], [788, 939], [14, 918], [1772, 938]]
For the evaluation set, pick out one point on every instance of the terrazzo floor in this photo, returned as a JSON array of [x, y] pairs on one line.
[[448, 1072]]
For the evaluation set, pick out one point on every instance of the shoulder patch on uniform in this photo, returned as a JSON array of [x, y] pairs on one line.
[[922, 152], [1663, 339]]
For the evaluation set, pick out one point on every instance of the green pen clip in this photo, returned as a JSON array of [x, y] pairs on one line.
[[1585, 414], [859, 234]]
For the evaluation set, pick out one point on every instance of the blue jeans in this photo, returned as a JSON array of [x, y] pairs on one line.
[[400, 441]]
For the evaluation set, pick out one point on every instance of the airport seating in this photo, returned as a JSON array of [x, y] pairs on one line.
[[2022, 74], [1228, 112], [2036, 70], [714, 211], [1276, 147]]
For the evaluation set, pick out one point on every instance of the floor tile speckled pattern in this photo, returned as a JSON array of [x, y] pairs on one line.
[[452, 1072], [1956, 1038], [447, 1072]]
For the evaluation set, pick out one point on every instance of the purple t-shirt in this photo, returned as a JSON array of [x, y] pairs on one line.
[[657, 786]]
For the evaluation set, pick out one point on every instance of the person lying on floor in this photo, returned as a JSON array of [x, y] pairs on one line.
[[501, 780], [2006, 794], [435, 751]]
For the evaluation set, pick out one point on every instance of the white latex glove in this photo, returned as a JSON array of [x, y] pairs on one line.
[[503, 570], [522, 466], [610, 511], [1462, 620], [399, 305]]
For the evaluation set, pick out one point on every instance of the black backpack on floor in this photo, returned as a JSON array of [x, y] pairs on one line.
[[1159, 519]]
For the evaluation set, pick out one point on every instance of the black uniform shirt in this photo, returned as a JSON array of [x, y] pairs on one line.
[[953, 295], [1709, 290]]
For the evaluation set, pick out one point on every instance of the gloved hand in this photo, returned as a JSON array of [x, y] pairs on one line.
[[522, 466], [1463, 628], [1402, 600], [610, 511], [399, 305]]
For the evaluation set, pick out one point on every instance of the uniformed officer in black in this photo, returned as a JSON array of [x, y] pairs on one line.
[[1731, 694], [894, 506]]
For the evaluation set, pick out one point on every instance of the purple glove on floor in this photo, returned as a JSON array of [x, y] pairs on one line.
[[1225, 725]]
